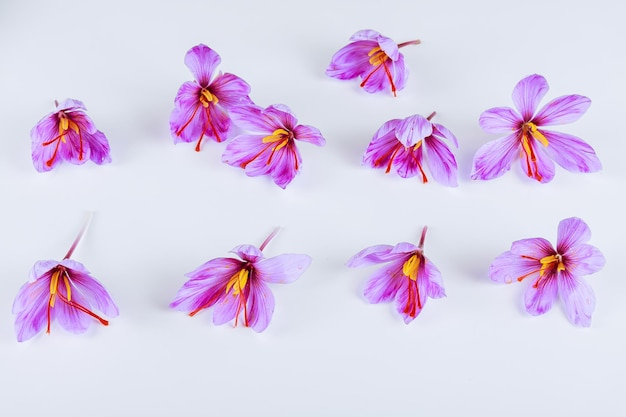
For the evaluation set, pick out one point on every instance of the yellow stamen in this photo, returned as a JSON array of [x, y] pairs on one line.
[[417, 145], [377, 56], [64, 123], [547, 261], [535, 133], [410, 267], [67, 287], [206, 97], [278, 134], [54, 283], [73, 126], [241, 279]]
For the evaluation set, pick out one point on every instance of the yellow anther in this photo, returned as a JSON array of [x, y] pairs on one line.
[[417, 145], [64, 123], [410, 267], [54, 283], [278, 134], [526, 146], [67, 287], [206, 97], [238, 282], [73, 126], [549, 260], [535, 133]]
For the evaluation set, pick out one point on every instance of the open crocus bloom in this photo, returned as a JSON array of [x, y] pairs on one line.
[[67, 134], [527, 138], [554, 272], [237, 288]]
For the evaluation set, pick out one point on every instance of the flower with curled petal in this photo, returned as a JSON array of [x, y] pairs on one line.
[[67, 134], [201, 107], [554, 272], [409, 278], [374, 58], [64, 291], [527, 137], [236, 288], [404, 146]]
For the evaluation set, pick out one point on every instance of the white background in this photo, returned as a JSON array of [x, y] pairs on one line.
[[161, 210]]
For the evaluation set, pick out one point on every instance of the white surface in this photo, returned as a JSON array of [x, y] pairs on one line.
[[162, 210]]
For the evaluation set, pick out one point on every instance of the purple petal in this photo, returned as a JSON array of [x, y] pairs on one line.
[[389, 47], [309, 134], [440, 161], [98, 146], [562, 110], [365, 35], [351, 61], [542, 169], [441, 131], [528, 93], [571, 232], [261, 306], [30, 308], [226, 309], [382, 145], [404, 303], [372, 255], [536, 247], [413, 129], [584, 259], [571, 153], [406, 161], [499, 120], [433, 281], [385, 283], [202, 62], [285, 165], [541, 294], [187, 118], [405, 248], [252, 119], [495, 158], [578, 298], [282, 116], [230, 90], [248, 152], [248, 253], [93, 292], [282, 269], [70, 104], [42, 267], [521, 262], [71, 318], [387, 75]]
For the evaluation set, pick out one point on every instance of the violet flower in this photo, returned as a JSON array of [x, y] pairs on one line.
[[409, 277], [554, 272], [269, 147], [403, 145], [526, 136], [238, 288], [64, 291], [67, 134], [201, 107], [374, 58]]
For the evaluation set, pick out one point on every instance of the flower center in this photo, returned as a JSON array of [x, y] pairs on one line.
[[413, 302], [529, 130], [206, 97], [237, 283], [378, 59], [409, 269], [377, 56], [549, 261], [530, 127]]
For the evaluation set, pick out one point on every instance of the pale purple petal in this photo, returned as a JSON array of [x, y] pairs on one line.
[[282, 116], [202, 62], [499, 120], [405, 248], [495, 158], [309, 134], [413, 129], [578, 298], [382, 145], [571, 232], [93, 292], [536, 247], [230, 90], [248, 152], [70, 104], [571, 153], [226, 309], [540, 295], [30, 308], [389, 47], [380, 77], [187, 117], [562, 110], [406, 161], [385, 283], [260, 306], [42, 267], [285, 165], [441, 131], [542, 169], [282, 269], [432, 279], [248, 253], [403, 306], [372, 255], [98, 147], [351, 61], [69, 317], [366, 35], [509, 267], [252, 119], [440, 161], [583, 259], [528, 93]]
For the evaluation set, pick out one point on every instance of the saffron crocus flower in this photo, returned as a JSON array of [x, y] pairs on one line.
[[237, 289], [409, 278], [269, 147], [201, 107], [67, 134], [403, 145], [373, 57], [554, 272], [64, 291], [527, 137]]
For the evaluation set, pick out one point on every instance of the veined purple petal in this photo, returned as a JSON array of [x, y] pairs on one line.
[[30, 307], [413, 129], [440, 131], [202, 62], [351, 61], [42, 267], [231, 91], [562, 110], [366, 35], [309, 134], [540, 295], [285, 165], [405, 248], [495, 158], [252, 119], [536, 247], [226, 309], [440, 161], [93, 293], [69, 317], [372, 255], [282, 116], [282, 269], [499, 120], [432, 279], [528, 93], [578, 298], [406, 160], [542, 168], [261, 306], [70, 105], [405, 302], [248, 152], [571, 232], [387, 75], [248, 253], [216, 268], [382, 145], [583, 259], [571, 153], [508, 267], [385, 283], [389, 47]]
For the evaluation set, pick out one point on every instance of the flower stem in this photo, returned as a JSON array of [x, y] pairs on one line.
[[415, 42], [79, 237], [433, 114], [270, 237], [423, 237]]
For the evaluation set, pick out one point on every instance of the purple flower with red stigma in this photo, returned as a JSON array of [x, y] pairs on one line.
[[237, 289], [527, 138], [404, 146], [269, 147], [67, 134], [374, 58], [554, 272], [201, 107], [64, 291], [409, 277]]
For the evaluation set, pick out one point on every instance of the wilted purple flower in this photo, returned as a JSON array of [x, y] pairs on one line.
[[67, 134], [64, 291], [409, 277], [526, 138], [269, 147], [554, 272], [404, 145], [238, 287], [201, 107], [373, 57]]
